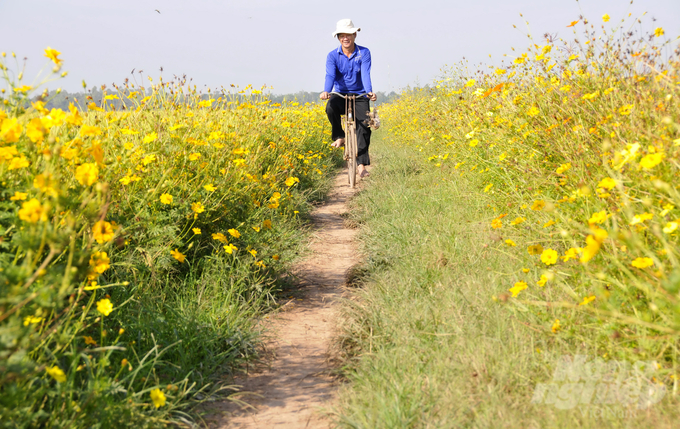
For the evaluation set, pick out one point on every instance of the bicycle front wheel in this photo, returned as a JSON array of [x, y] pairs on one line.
[[351, 143]]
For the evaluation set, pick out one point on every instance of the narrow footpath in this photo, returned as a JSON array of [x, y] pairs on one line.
[[292, 385]]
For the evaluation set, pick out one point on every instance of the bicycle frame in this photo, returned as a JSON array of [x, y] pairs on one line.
[[351, 149]]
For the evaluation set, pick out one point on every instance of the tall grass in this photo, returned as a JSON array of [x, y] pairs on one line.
[[137, 245], [540, 220]]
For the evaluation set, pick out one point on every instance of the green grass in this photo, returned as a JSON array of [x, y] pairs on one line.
[[426, 344]]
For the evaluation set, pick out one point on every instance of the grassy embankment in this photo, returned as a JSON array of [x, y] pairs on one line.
[[517, 218], [137, 246]]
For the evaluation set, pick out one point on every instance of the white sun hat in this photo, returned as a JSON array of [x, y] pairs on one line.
[[345, 26]]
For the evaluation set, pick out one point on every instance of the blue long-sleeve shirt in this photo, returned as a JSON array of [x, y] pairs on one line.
[[348, 75]]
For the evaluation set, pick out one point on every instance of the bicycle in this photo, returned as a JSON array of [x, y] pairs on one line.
[[350, 127]]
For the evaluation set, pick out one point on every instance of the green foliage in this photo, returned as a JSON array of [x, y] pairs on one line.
[[136, 247]]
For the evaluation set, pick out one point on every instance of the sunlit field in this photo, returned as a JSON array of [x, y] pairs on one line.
[[516, 215], [541, 220], [577, 146], [137, 244]]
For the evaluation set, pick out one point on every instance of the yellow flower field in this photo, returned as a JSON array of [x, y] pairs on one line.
[[579, 142], [163, 214]]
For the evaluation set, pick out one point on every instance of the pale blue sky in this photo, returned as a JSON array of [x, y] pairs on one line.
[[284, 43]]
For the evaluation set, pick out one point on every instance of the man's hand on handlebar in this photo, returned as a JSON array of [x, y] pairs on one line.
[[325, 95], [372, 96]]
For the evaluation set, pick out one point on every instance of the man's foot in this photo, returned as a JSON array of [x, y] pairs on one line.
[[364, 173], [338, 143]]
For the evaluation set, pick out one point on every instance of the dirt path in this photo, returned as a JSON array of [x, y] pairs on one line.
[[293, 384]]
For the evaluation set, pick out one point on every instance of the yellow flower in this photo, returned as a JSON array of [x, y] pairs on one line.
[[19, 196], [166, 199], [194, 156], [220, 237], [276, 257], [102, 232], [53, 54], [549, 223], [157, 397], [89, 130], [556, 326], [87, 173], [149, 159], [10, 130], [35, 130], [234, 233], [474, 142], [587, 300], [549, 256], [671, 226], [510, 243], [533, 111], [517, 221], [104, 306], [32, 211], [658, 32], [496, 223], [209, 188], [607, 183], [32, 320], [121, 331], [253, 252], [562, 168], [178, 255], [100, 262], [488, 187], [591, 95], [538, 205], [593, 243], [8, 152], [470, 83], [230, 248], [18, 162], [291, 181], [642, 262], [267, 224], [605, 18], [517, 288], [150, 137], [89, 340], [196, 231], [641, 218], [542, 281], [56, 373], [124, 362], [535, 249], [626, 109], [571, 253], [652, 160], [197, 207], [599, 217]]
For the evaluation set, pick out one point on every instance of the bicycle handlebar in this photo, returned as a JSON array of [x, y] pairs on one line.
[[345, 96]]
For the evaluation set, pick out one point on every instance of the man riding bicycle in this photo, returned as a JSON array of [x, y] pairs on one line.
[[348, 71]]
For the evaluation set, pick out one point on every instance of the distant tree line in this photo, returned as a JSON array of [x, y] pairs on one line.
[[312, 97], [62, 99]]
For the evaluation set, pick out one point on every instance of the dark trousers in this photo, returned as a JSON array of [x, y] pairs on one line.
[[336, 107]]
